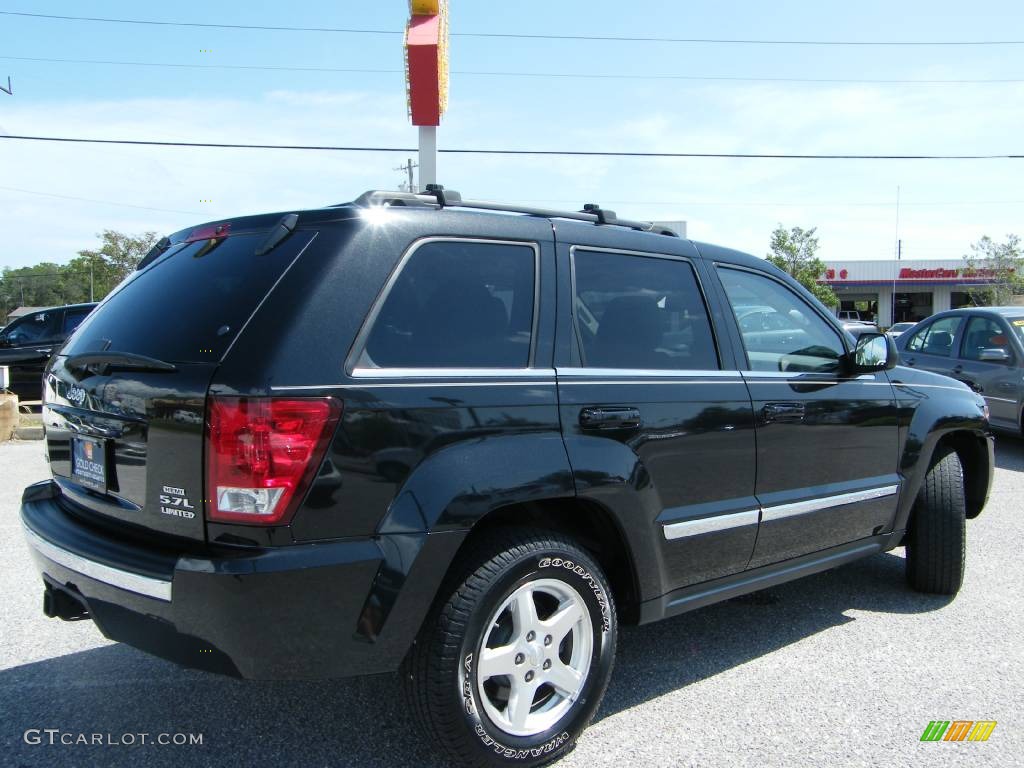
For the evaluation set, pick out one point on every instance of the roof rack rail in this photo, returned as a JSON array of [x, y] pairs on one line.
[[436, 196]]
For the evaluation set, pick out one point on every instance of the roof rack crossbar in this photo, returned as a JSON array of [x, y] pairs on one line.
[[437, 196]]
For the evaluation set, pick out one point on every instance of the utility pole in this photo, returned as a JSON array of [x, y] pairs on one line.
[[409, 165], [899, 254]]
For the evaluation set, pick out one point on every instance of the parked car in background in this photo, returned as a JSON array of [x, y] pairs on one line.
[[27, 343], [856, 327], [848, 314], [899, 328], [981, 346]]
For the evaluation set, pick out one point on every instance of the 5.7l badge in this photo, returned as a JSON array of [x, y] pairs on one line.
[[174, 502]]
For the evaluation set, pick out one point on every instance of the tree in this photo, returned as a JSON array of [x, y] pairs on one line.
[[1002, 263], [794, 251], [39, 286], [89, 276], [115, 259]]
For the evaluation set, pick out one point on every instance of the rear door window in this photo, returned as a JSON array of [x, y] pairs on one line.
[[457, 304], [936, 338], [190, 305], [73, 318], [642, 312]]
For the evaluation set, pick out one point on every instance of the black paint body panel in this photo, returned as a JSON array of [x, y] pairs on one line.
[[421, 459]]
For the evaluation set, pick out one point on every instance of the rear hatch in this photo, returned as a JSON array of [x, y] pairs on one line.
[[125, 399]]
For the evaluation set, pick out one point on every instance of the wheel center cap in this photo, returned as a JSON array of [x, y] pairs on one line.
[[533, 655]]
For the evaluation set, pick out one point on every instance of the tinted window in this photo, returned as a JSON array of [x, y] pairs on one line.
[[35, 327], [73, 318], [640, 312], [936, 338], [1018, 326], [984, 333], [190, 305], [457, 305], [780, 331]]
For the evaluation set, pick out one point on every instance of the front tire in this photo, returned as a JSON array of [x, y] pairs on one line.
[[937, 539], [514, 664]]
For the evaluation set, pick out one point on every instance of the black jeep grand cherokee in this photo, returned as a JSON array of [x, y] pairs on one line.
[[466, 440]]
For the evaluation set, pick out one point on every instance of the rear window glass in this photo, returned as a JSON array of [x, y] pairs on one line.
[[187, 307], [457, 304]]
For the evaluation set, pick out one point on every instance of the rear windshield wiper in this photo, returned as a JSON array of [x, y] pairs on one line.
[[102, 362]]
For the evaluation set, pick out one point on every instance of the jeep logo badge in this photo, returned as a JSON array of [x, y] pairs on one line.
[[76, 395]]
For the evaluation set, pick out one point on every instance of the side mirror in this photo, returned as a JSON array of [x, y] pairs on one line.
[[874, 352], [994, 355]]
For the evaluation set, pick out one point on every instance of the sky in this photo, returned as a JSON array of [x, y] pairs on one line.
[[55, 198]]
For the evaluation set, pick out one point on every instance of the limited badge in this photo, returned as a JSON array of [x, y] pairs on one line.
[[174, 502]]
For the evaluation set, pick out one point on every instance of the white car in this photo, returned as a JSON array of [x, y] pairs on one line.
[[899, 328]]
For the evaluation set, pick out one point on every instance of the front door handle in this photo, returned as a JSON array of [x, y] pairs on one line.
[[783, 412], [610, 417], [908, 361], [45, 350]]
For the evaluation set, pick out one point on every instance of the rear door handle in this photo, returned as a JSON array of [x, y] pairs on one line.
[[783, 412], [44, 350], [609, 417], [908, 361]]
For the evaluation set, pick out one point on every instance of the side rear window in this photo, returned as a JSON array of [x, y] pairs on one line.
[[457, 304], [643, 312]]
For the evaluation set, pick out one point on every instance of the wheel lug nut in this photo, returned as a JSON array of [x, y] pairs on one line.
[[530, 636], [529, 676], [547, 664], [519, 658], [547, 640]]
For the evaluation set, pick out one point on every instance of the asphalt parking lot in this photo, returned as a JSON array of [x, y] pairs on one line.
[[841, 668]]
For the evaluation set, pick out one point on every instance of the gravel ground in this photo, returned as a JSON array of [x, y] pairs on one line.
[[842, 668]]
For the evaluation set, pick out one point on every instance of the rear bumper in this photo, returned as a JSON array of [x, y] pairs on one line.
[[311, 611]]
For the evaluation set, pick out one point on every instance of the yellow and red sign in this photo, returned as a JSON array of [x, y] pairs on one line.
[[426, 61]]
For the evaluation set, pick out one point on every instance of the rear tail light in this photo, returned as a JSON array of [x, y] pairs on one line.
[[262, 453]]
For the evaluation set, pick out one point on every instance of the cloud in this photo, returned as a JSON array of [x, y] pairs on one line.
[[734, 202]]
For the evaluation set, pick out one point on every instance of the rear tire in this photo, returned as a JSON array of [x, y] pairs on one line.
[[532, 602], [937, 539]]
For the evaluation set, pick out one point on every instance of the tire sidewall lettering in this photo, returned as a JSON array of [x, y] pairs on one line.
[[591, 582]]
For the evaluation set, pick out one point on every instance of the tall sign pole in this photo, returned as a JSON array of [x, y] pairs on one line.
[[426, 77]]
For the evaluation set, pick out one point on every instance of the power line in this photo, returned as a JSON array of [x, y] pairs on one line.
[[520, 152], [508, 35], [546, 75], [779, 204], [689, 203], [92, 200]]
